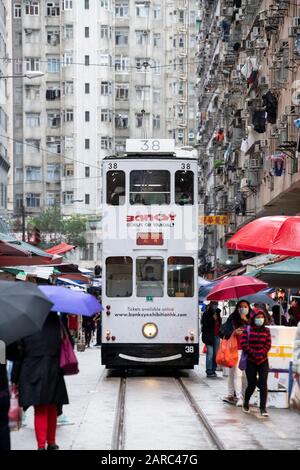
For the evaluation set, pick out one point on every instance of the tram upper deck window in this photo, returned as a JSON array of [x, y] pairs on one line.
[[184, 188], [119, 276], [149, 187], [149, 277], [180, 277], [115, 188]]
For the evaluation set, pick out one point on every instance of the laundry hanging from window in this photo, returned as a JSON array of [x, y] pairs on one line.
[[270, 102], [259, 121]]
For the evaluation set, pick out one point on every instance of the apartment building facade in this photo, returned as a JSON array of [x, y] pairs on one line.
[[5, 71], [248, 117], [113, 70]]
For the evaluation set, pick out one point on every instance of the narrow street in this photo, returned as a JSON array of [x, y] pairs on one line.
[[157, 414]]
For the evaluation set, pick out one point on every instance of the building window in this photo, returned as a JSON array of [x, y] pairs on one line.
[[68, 170], [53, 145], [141, 119], [67, 59], [68, 88], [67, 4], [53, 9], [105, 31], [106, 115], [105, 60], [32, 36], [156, 121], [121, 36], [122, 64], [156, 67], [52, 198], [18, 67], [120, 145], [87, 253], [87, 171], [121, 9], [157, 13], [17, 10], [18, 94], [68, 197], [87, 116], [69, 142], [18, 121], [53, 64], [142, 64], [69, 115], [86, 4], [142, 37], [68, 31], [19, 201], [156, 39], [122, 91], [33, 173], [86, 32], [156, 95], [106, 88], [87, 88], [105, 4], [143, 92], [53, 92], [122, 119], [33, 200], [142, 10], [33, 120], [19, 175], [87, 144], [86, 199], [53, 171], [87, 60], [32, 64], [106, 143], [32, 146], [53, 119], [32, 8], [53, 36]]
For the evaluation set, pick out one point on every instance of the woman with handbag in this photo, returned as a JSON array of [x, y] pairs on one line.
[[256, 343], [234, 325], [40, 380], [211, 322]]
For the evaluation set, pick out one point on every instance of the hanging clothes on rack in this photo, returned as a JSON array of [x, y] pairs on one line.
[[259, 121], [270, 102], [278, 163]]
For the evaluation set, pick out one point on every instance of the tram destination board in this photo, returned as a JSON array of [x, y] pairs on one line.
[[150, 146]]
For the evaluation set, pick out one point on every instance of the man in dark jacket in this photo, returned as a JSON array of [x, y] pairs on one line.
[[41, 381], [211, 322]]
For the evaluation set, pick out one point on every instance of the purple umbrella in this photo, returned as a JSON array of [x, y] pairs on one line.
[[70, 301]]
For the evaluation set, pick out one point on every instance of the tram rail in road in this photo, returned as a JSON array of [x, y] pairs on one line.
[[119, 434]]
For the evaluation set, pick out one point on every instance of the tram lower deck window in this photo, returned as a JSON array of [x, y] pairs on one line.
[[150, 187], [184, 188], [115, 188], [149, 277], [119, 276], [180, 276]]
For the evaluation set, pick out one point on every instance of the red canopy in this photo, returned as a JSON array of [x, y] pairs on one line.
[[60, 249], [17, 253], [277, 235], [236, 287]]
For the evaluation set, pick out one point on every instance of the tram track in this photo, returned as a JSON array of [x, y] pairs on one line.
[[119, 429]]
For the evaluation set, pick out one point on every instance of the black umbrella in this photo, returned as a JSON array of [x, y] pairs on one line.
[[23, 310]]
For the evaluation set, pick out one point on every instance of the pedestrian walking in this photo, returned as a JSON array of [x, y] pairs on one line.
[[256, 343], [294, 312], [211, 322], [296, 357], [278, 317], [88, 327], [237, 381], [40, 380]]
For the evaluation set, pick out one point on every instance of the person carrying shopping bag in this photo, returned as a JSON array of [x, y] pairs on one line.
[[256, 343], [234, 325], [40, 380]]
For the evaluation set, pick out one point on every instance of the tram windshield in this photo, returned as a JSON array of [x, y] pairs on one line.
[[184, 188], [119, 276], [180, 277], [149, 187], [149, 277], [115, 184]]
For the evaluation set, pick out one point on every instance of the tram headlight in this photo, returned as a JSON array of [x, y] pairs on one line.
[[150, 330]]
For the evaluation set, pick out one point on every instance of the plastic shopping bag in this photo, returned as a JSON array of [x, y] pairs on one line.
[[15, 411], [295, 396], [228, 354]]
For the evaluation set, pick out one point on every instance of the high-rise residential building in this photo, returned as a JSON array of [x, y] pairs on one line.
[[248, 118], [113, 70], [4, 110]]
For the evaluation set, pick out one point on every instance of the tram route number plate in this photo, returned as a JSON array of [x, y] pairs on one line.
[[150, 145], [189, 349]]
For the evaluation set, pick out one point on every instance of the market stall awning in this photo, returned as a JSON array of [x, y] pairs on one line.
[[60, 249], [283, 274]]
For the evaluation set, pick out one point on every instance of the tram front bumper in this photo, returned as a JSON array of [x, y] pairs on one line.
[[147, 355]]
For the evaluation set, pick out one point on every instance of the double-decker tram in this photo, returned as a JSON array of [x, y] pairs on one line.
[[150, 252]]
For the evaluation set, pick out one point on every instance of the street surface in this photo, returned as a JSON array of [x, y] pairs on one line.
[[157, 414]]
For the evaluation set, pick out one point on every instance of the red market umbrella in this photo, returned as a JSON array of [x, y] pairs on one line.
[[236, 287], [277, 235]]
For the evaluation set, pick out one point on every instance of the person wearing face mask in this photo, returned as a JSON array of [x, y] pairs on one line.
[[211, 322], [234, 325], [256, 343]]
